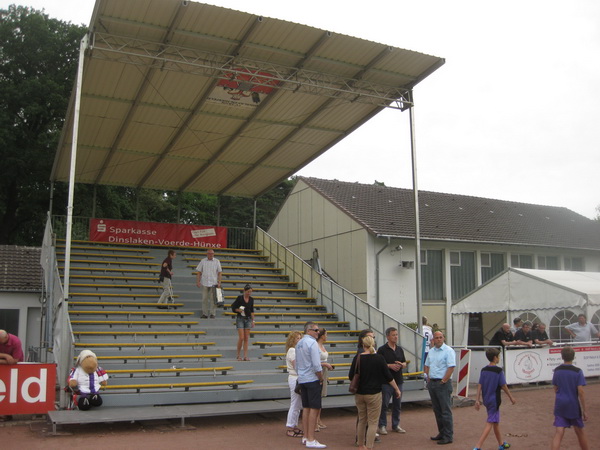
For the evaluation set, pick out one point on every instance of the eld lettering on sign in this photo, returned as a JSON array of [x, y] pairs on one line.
[[27, 388]]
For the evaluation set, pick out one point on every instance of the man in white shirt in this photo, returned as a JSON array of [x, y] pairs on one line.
[[582, 330], [208, 277]]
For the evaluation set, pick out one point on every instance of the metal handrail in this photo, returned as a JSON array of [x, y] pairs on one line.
[[349, 307]]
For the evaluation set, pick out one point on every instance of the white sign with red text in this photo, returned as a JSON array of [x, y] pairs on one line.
[[537, 364], [27, 388]]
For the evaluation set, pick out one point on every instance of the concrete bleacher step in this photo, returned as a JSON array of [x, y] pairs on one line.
[[153, 362], [122, 305]]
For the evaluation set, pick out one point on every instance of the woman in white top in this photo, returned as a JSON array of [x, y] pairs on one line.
[[295, 400], [326, 367]]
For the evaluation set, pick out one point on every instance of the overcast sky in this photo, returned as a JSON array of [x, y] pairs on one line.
[[514, 114]]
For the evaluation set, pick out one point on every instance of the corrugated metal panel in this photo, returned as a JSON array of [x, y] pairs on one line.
[[152, 116]]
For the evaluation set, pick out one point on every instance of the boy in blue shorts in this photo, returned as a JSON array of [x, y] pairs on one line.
[[491, 383], [569, 406]]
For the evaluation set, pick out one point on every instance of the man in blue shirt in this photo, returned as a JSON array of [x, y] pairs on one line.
[[310, 379], [439, 367]]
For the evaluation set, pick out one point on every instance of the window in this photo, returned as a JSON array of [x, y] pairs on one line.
[[432, 276], [548, 262], [486, 260], [9, 321], [575, 264], [495, 266], [462, 275], [455, 258], [423, 257], [521, 261], [558, 323]]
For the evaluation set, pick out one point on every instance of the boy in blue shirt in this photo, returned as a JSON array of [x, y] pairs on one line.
[[569, 406], [491, 383]]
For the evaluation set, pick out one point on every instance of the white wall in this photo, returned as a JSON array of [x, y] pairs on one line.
[[397, 292], [28, 305], [307, 221]]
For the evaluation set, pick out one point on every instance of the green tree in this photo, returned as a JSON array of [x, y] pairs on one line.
[[38, 61]]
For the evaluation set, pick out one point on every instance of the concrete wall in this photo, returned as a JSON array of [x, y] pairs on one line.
[[28, 305], [307, 221]]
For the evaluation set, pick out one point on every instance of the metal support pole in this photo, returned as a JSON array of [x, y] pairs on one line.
[[219, 211], [254, 219], [94, 201], [82, 47], [179, 194], [413, 149]]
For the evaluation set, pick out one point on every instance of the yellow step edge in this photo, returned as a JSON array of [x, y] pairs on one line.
[[146, 344], [106, 255], [197, 369], [107, 358], [177, 385], [252, 331], [136, 333], [108, 249], [301, 322], [108, 269], [127, 263], [349, 352], [118, 286], [77, 303], [115, 277], [353, 341], [129, 322], [136, 313], [102, 294], [312, 314]]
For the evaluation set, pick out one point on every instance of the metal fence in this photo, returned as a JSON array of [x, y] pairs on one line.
[[348, 307]]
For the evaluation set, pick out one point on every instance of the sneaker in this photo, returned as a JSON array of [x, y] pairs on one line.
[[399, 430], [504, 445], [303, 441], [204, 316], [377, 439], [382, 430], [315, 444], [212, 316]]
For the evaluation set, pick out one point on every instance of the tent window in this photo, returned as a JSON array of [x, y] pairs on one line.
[[462, 277], [521, 261], [496, 266], [558, 323], [596, 319]]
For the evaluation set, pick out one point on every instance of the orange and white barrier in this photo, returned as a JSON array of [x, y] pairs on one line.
[[464, 360]]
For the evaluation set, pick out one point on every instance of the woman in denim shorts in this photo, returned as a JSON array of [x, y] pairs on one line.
[[244, 321]]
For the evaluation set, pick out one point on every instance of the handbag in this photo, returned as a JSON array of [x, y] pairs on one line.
[[219, 297], [355, 379], [297, 388]]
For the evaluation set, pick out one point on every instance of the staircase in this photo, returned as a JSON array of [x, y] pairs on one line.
[[173, 357]]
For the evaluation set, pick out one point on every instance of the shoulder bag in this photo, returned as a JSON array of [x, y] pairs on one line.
[[356, 378]]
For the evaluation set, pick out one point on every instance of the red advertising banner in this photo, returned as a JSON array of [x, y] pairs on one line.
[[27, 388], [154, 233]]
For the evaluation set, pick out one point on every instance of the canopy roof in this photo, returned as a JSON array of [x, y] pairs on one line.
[[185, 96], [530, 289]]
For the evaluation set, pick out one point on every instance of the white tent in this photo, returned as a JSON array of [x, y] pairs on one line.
[[541, 292]]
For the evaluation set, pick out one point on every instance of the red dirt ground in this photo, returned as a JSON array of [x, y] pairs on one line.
[[526, 425]]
